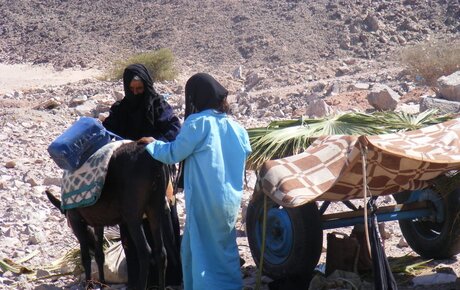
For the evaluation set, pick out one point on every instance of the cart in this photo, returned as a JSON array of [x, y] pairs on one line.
[[404, 165]]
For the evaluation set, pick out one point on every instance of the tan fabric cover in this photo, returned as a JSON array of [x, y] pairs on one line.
[[331, 168]]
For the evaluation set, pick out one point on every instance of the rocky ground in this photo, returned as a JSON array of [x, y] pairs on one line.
[[29, 225], [277, 58]]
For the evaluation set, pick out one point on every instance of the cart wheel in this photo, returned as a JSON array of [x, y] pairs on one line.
[[437, 237], [293, 241]]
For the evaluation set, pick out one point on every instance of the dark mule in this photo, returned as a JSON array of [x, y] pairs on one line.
[[135, 185]]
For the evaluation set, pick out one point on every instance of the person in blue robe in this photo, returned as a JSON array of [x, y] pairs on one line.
[[214, 148]]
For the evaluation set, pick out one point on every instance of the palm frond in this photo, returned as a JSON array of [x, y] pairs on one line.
[[401, 121], [288, 137], [408, 264]]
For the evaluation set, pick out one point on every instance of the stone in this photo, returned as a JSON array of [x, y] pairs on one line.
[[383, 232], [443, 106], [252, 80], [10, 164], [238, 73], [50, 104], [401, 39], [372, 22], [433, 279], [42, 273], [10, 233], [359, 87], [409, 25], [343, 70], [32, 181], [333, 89], [383, 98], [86, 108], [319, 86], [402, 243], [449, 86], [36, 238], [118, 95], [179, 90], [318, 109], [78, 100]]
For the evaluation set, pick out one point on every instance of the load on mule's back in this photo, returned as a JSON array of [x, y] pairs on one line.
[[135, 185]]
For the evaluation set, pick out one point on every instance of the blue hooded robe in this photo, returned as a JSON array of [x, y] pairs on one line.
[[215, 149]]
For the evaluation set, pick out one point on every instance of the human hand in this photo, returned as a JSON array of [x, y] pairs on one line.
[[145, 140]]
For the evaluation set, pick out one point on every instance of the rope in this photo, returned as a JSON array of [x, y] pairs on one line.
[[262, 248], [366, 227]]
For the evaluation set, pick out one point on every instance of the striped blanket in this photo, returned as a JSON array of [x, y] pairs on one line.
[[331, 168], [83, 186]]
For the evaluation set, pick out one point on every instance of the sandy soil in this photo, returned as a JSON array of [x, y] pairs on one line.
[[27, 76]]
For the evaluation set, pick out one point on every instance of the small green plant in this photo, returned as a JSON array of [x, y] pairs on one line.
[[428, 61], [160, 64]]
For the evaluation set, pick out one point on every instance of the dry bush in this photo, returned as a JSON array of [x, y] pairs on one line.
[[429, 61], [160, 64]]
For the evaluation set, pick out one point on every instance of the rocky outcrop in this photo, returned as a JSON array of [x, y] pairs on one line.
[[219, 34]]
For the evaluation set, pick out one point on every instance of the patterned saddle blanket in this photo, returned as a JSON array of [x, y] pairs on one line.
[[83, 186]]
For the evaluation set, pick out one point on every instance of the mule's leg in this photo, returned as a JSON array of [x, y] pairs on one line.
[[155, 211], [155, 223], [130, 255], [99, 252], [80, 229], [143, 251]]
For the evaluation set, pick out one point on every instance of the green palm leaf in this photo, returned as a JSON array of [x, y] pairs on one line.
[[400, 121], [288, 137]]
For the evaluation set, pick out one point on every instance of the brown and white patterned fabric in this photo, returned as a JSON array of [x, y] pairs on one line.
[[83, 186], [331, 168]]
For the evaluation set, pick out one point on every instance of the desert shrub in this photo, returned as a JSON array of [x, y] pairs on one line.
[[160, 64], [428, 61]]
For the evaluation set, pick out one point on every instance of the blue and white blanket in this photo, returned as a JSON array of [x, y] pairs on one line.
[[83, 186]]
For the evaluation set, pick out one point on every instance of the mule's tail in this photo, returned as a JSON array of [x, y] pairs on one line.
[[54, 200]]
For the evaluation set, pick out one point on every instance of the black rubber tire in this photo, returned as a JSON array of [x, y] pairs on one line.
[[307, 239], [431, 239]]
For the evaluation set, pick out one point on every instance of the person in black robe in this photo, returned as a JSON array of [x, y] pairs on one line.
[[144, 113]]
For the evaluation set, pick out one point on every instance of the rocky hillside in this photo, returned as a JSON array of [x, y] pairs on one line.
[[217, 33]]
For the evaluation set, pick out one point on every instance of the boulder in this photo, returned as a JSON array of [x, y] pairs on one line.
[[449, 86], [383, 98], [318, 109], [443, 106]]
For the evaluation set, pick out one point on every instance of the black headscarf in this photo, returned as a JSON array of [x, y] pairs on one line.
[[147, 114], [203, 92], [145, 100]]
